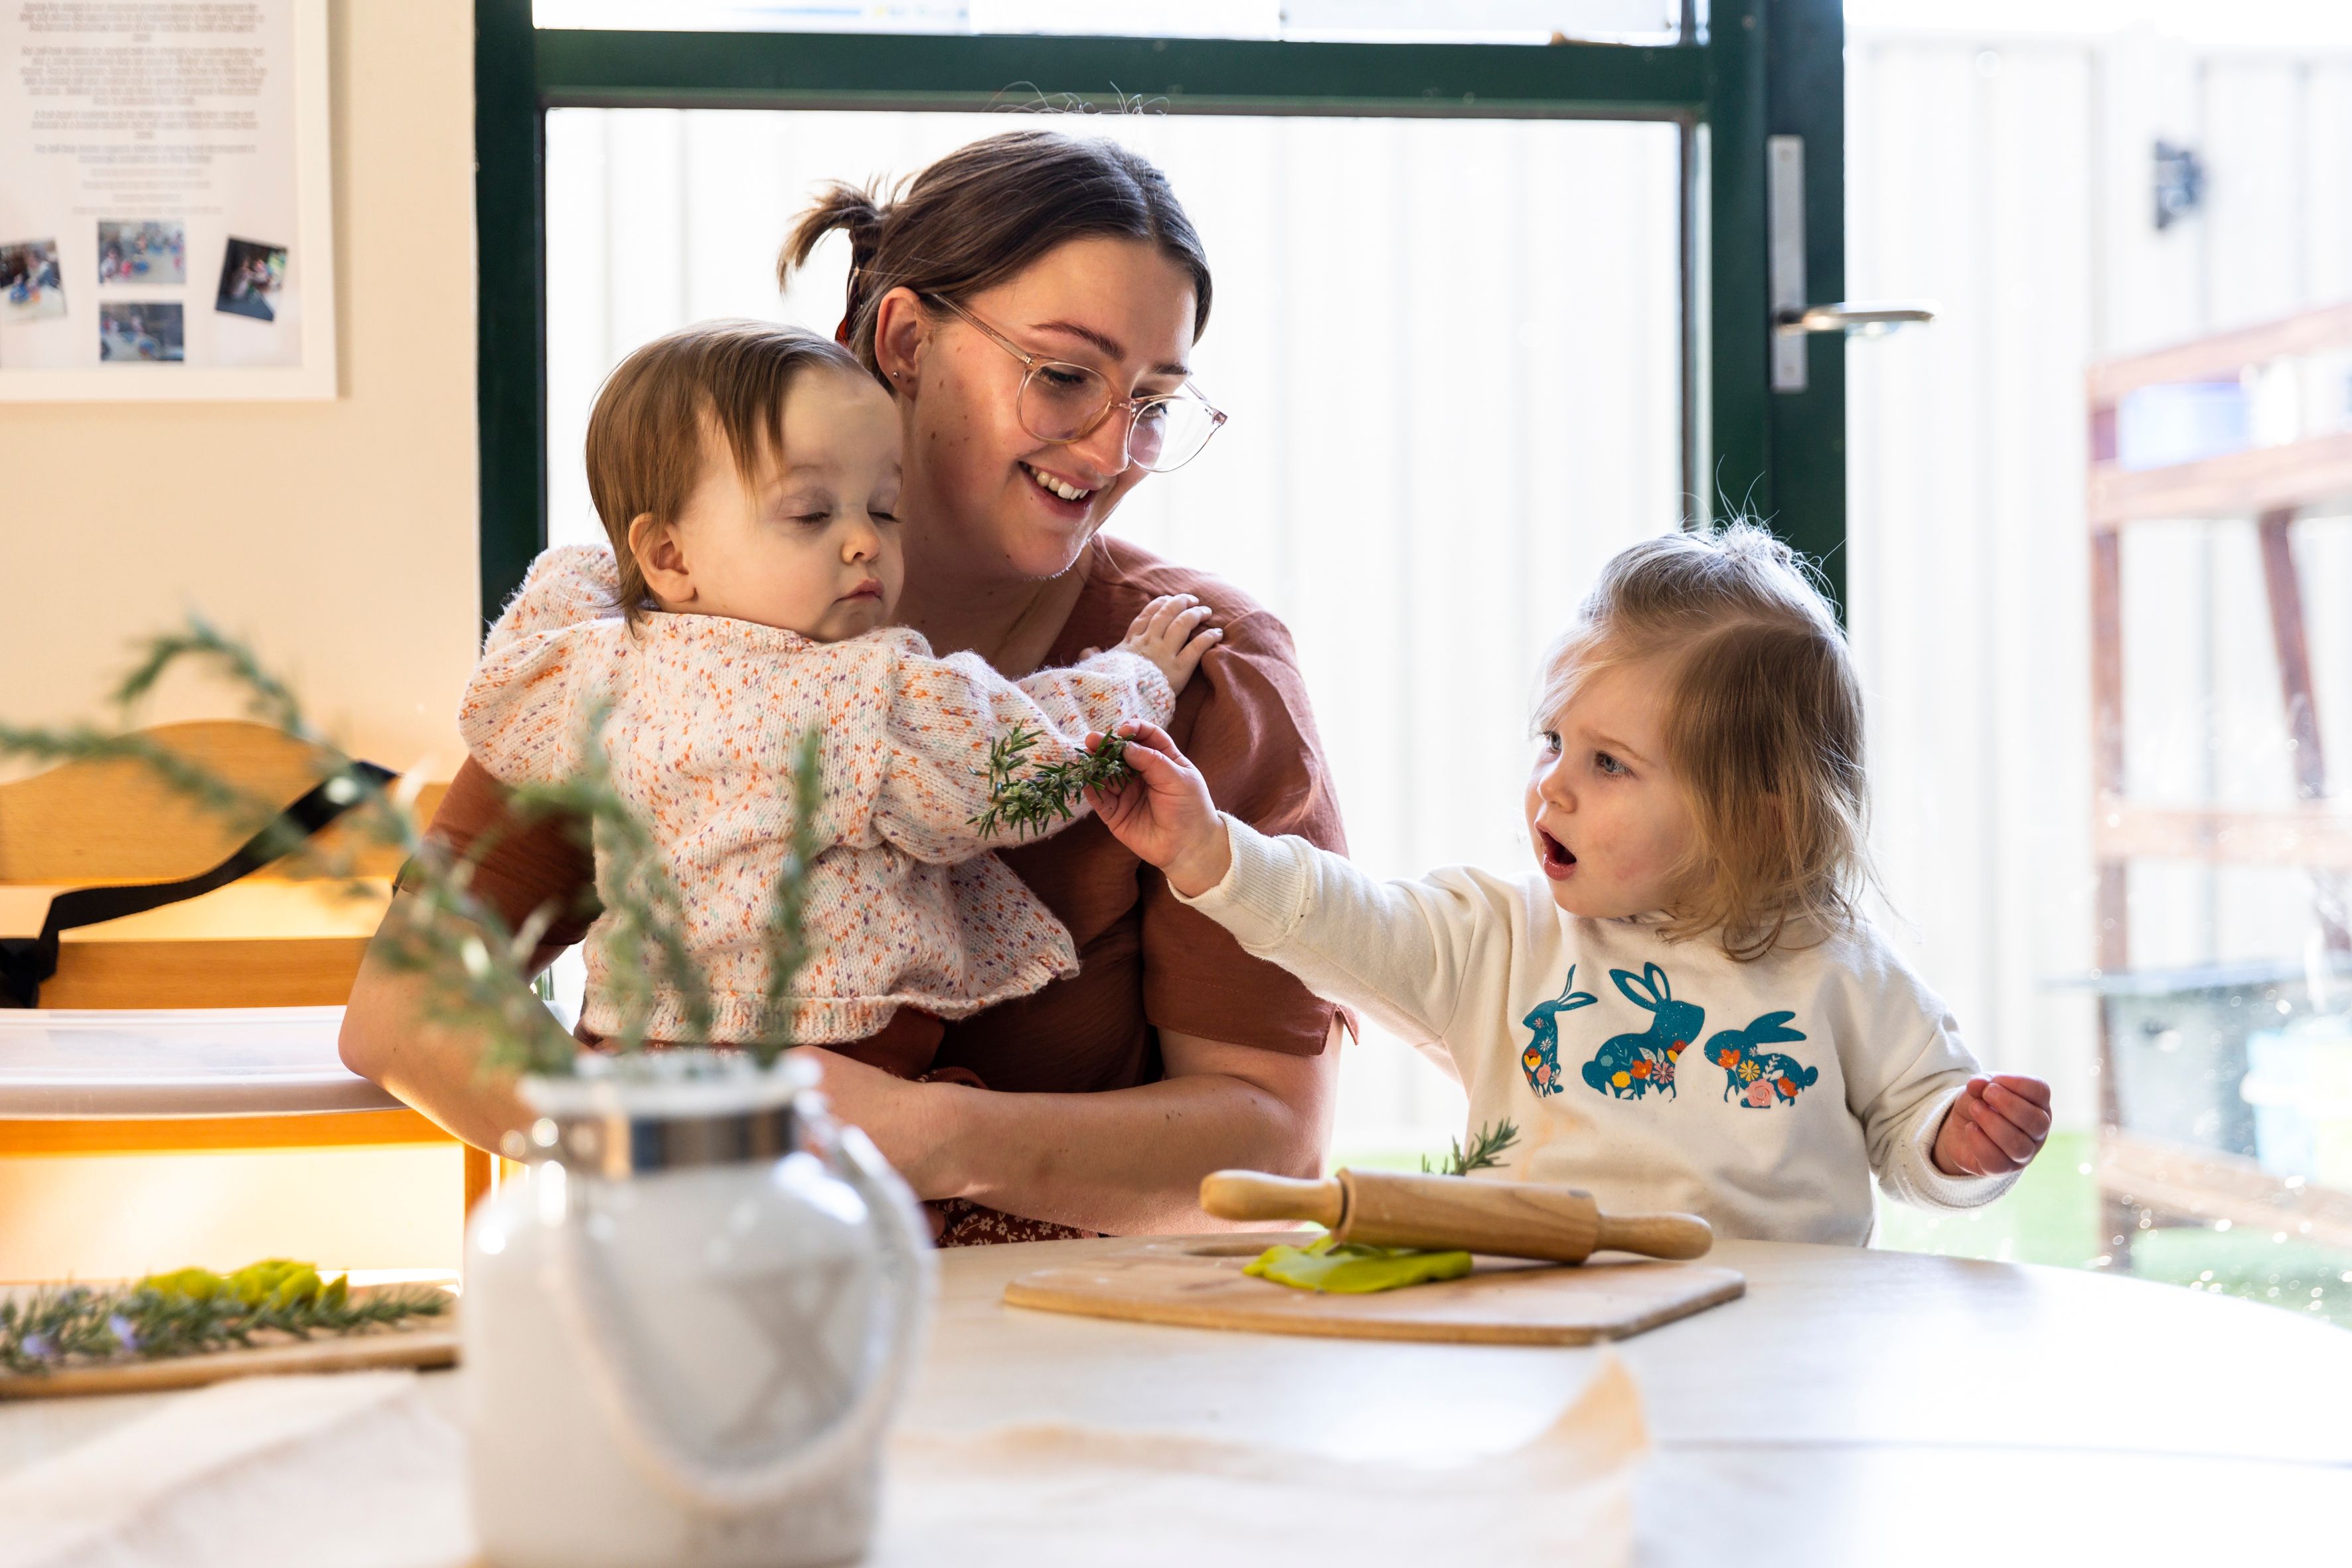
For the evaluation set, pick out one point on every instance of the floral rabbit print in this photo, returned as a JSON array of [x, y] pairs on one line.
[[1630, 1066], [1758, 1075], [1540, 1060]]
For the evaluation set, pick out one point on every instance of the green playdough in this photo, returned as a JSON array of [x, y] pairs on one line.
[[1352, 1268]]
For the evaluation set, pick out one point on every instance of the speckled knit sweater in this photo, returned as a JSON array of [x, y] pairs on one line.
[[906, 906]]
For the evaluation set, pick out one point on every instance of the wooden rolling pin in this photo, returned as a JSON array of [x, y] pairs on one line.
[[1508, 1219]]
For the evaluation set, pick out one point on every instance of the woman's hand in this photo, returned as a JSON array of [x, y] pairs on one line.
[[897, 1114], [1164, 813], [1996, 1126], [1165, 633]]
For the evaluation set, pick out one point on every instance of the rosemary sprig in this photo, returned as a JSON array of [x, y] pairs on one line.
[[1484, 1153], [1026, 805], [192, 1312]]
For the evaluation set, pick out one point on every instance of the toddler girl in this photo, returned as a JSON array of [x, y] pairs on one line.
[[748, 476], [1680, 1008]]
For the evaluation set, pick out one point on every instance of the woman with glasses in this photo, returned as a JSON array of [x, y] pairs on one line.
[[1031, 301]]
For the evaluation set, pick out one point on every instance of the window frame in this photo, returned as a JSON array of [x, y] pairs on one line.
[[1757, 67]]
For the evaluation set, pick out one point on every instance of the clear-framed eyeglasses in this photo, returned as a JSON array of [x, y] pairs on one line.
[[1060, 403]]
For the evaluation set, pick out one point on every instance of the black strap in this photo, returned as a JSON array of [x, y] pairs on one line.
[[26, 962]]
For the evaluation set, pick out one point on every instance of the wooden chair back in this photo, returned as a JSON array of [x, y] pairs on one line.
[[99, 824]]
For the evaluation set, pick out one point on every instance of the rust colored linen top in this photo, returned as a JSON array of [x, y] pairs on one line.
[[1147, 963]]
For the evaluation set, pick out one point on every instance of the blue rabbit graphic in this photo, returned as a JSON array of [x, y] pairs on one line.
[[1633, 1065], [1757, 1076], [1540, 1060]]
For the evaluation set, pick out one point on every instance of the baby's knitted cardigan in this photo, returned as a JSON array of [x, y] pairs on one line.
[[905, 907]]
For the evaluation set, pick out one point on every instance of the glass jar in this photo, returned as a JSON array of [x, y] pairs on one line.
[[686, 1328]]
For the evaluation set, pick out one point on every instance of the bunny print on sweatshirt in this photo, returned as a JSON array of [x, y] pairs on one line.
[[1540, 1060], [1630, 1066], [1633, 1065]]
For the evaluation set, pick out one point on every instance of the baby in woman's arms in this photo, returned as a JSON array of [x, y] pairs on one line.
[[1681, 1007], [748, 477]]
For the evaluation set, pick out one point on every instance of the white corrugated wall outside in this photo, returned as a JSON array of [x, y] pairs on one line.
[[2011, 178]]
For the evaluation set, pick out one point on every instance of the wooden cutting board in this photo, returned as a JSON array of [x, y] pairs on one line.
[[423, 1342], [1199, 1283]]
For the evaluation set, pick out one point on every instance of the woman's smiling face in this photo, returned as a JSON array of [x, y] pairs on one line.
[[981, 486], [1606, 817]]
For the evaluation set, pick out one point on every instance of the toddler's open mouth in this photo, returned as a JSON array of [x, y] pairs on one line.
[[1557, 861]]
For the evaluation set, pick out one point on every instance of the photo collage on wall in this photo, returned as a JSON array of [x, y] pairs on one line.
[[143, 256], [178, 243], [139, 288]]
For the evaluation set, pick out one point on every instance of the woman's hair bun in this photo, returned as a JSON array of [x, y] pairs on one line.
[[856, 212]]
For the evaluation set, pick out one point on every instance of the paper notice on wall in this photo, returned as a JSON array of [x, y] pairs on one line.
[[159, 162]]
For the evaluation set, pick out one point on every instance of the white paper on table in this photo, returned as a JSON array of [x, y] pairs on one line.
[[356, 1470], [344, 1470], [1066, 1493]]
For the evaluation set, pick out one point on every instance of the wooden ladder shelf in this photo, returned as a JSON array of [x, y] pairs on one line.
[[2142, 1179]]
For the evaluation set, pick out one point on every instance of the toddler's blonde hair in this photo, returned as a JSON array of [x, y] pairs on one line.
[[1763, 728]]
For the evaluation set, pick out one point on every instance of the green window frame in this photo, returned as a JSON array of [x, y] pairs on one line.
[[1757, 68]]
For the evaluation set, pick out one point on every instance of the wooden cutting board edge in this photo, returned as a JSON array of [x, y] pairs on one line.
[[1225, 1316], [432, 1344]]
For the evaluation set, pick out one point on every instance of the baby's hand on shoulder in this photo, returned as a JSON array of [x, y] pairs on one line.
[[1168, 633], [1996, 1126]]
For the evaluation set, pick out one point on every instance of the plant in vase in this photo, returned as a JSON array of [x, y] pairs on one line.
[[685, 1332]]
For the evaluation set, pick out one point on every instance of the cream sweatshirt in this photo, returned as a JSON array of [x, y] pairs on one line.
[[1656, 1074], [905, 907]]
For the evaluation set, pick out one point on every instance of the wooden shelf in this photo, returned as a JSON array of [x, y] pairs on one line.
[[2268, 487], [2313, 473], [2313, 837], [2223, 355], [2200, 1184], [220, 1134]]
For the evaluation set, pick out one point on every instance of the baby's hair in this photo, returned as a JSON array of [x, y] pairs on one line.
[[1763, 726], [645, 434]]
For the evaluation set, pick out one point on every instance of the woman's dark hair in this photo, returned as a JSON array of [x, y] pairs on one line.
[[986, 211]]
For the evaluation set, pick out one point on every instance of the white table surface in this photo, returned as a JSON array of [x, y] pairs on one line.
[[64, 1064], [1856, 1407]]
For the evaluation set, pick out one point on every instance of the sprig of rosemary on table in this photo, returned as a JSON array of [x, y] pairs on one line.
[[192, 1312], [1484, 1153], [1029, 805]]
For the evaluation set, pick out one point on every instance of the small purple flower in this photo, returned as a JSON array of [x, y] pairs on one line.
[[37, 1346], [125, 1333]]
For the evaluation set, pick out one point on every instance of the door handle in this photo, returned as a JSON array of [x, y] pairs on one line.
[[1794, 318], [1869, 320]]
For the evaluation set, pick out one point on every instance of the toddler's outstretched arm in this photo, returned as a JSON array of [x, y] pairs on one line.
[[1399, 951]]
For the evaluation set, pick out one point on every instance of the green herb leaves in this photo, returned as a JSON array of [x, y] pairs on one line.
[[193, 1312], [1028, 805], [1484, 1153]]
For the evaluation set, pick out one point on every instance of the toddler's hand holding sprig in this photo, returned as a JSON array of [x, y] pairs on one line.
[[1996, 1126], [1166, 633], [1164, 813]]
